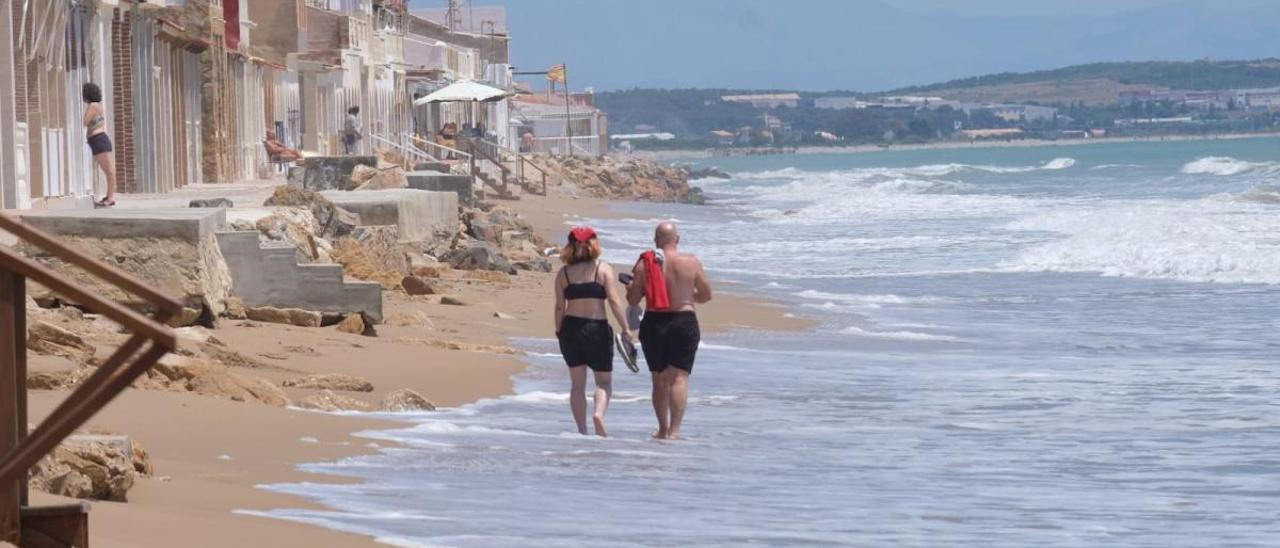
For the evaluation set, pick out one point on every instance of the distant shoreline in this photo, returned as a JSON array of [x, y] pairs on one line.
[[677, 155]]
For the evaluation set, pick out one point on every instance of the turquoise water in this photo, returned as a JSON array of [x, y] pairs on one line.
[[1055, 346]]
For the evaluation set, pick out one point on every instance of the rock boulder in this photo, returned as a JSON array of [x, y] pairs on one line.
[[405, 399], [326, 400]]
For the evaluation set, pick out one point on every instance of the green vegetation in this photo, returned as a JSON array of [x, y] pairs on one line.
[[1194, 75]]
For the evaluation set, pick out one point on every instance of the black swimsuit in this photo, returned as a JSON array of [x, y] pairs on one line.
[[586, 341]]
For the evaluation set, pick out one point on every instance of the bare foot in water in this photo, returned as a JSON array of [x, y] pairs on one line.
[[659, 435], [674, 436], [600, 431]]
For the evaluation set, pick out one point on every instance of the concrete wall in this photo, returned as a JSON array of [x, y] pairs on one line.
[[461, 185], [281, 28], [418, 215]]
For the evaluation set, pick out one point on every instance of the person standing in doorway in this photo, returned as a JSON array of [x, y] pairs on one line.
[[95, 127], [671, 286], [352, 132]]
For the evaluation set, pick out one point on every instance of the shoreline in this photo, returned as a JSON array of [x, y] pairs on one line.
[[708, 154], [209, 466]]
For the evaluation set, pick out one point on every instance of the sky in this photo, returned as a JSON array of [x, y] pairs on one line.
[[866, 45]]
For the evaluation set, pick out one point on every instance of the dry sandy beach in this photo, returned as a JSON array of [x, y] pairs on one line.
[[210, 453]]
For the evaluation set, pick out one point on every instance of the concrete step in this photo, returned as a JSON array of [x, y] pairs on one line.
[[272, 276]]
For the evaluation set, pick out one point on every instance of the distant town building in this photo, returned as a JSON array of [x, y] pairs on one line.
[[978, 134], [721, 137], [1173, 120], [839, 103], [1023, 113], [772, 100]]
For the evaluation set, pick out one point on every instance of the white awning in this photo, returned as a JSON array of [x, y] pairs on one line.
[[463, 91]]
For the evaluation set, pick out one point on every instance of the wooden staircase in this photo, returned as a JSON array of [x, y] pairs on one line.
[[151, 339]]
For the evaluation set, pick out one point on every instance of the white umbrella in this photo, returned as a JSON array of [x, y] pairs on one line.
[[463, 91]]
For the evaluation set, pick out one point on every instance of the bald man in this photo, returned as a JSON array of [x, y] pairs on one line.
[[670, 337]]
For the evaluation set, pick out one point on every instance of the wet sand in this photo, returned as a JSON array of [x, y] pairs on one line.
[[209, 453]]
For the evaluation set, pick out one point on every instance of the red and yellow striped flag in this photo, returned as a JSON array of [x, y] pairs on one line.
[[557, 74]]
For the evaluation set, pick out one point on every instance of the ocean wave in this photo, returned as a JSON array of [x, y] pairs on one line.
[[1226, 166], [899, 335], [927, 170], [866, 299], [1202, 241], [1261, 194]]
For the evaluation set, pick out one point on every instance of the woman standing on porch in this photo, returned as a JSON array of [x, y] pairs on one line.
[[95, 123]]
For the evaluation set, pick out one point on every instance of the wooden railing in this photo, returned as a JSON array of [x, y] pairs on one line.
[[522, 161], [489, 152], [19, 449], [411, 155]]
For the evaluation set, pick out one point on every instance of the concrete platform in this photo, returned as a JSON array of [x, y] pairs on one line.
[[417, 214], [462, 185], [191, 225], [332, 172]]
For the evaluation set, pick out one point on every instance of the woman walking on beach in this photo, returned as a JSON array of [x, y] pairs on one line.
[[95, 124], [583, 289]]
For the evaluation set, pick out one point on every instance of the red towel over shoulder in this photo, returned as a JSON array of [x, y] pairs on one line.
[[655, 287]]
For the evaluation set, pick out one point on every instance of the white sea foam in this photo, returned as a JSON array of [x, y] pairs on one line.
[[899, 335], [867, 299], [1201, 241], [1227, 166], [928, 170]]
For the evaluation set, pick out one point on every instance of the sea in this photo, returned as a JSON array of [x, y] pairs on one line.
[[1049, 346]]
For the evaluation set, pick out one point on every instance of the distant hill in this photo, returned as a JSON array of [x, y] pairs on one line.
[[691, 113], [1100, 83]]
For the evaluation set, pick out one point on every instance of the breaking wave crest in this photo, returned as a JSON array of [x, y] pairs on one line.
[[1226, 166], [1202, 241], [929, 170]]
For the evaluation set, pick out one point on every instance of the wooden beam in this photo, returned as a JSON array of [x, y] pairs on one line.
[[10, 496]]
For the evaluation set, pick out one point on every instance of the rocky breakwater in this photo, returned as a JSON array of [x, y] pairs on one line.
[[629, 179]]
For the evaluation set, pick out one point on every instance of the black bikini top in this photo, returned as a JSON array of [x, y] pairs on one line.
[[589, 290]]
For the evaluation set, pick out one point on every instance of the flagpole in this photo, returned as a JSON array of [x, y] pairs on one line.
[[568, 126]]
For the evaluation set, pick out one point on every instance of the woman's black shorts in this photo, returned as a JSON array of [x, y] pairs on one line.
[[586, 342], [100, 144]]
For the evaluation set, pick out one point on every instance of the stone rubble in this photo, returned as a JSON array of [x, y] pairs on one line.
[[46, 338], [405, 399], [327, 400], [90, 471], [332, 381], [288, 316]]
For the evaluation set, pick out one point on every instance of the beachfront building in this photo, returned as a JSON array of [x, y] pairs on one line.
[[577, 128], [50, 50], [338, 54], [475, 46]]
